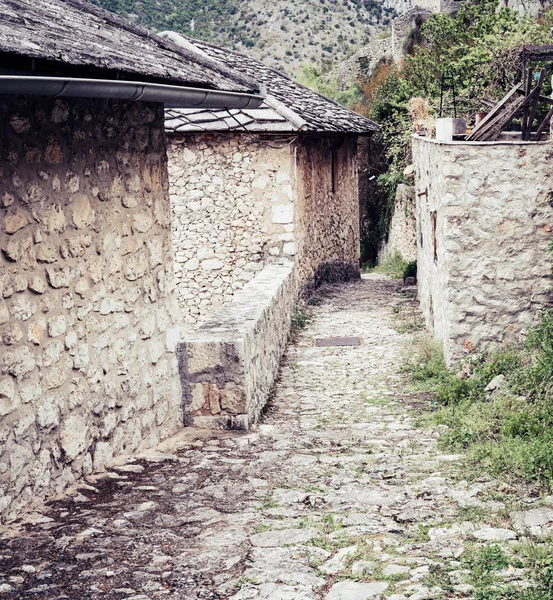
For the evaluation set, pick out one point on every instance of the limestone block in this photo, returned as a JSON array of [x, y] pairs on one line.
[[57, 325], [14, 220], [58, 277], [53, 219], [52, 354], [202, 356], [48, 413], [142, 222], [54, 377], [37, 284], [4, 313], [81, 211], [20, 456], [11, 334], [8, 398], [103, 453], [47, 252], [18, 362], [22, 308], [233, 399], [282, 213], [73, 436], [37, 331]]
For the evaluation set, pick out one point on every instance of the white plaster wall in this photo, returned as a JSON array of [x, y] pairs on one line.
[[494, 224]]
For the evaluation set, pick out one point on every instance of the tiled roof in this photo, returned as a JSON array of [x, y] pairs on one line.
[[289, 107], [76, 33]]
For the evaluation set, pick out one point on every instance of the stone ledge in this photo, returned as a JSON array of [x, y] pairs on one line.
[[229, 364]]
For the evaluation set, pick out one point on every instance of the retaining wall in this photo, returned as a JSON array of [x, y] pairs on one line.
[[230, 363]]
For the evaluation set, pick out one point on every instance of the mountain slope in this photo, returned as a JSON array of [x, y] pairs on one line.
[[282, 33]]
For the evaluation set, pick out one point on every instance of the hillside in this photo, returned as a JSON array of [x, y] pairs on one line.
[[283, 33]]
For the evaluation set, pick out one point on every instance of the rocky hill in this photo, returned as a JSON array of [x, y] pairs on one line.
[[283, 33]]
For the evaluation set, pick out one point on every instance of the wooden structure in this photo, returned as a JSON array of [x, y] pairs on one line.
[[522, 102]]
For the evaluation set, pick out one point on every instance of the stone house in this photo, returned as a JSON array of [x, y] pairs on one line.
[[250, 187], [484, 222], [88, 326]]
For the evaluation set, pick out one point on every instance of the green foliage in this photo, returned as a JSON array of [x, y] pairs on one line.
[[410, 269], [425, 364], [508, 432], [480, 45], [394, 266], [315, 78]]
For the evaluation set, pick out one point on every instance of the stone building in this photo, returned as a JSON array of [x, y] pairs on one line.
[[88, 326], [484, 222], [251, 187]]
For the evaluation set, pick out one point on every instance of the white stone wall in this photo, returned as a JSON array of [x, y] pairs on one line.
[[240, 202], [88, 338], [494, 217], [402, 236], [232, 212]]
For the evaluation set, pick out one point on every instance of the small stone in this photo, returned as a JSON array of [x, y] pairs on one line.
[[7, 396], [57, 278], [57, 326], [395, 570], [73, 436], [491, 534], [47, 252], [53, 219], [19, 362], [14, 220], [37, 331], [496, 383], [353, 590], [81, 212], [37, 284]]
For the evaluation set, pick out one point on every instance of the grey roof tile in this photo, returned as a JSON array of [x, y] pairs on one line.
[[302, 108]]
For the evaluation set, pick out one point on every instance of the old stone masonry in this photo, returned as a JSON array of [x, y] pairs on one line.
[[337, 495]]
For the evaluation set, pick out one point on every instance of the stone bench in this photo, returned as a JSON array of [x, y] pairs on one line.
[[229, 364]]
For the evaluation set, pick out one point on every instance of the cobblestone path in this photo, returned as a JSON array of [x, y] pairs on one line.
[[336, 495]]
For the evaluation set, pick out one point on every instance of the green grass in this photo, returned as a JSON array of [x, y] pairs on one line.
[[508, 433], [393, 266]]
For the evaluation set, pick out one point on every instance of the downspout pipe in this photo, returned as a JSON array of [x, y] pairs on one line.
[[173, 96]]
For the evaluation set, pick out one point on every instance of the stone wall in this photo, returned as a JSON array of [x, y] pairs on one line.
[[405, 27], [483, 230], [230, 363], [327, 212], [402, 236], [88, 364], [241, 201], [232, 211]]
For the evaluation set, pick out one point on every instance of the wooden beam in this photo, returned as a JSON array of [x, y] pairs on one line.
[[534, 104], [543, 125], [494, 112], [526, 93]]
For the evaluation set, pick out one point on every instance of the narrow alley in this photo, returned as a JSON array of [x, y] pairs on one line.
[[336, 495]]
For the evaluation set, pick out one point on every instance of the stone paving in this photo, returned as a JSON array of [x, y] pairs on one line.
[[337, 495]]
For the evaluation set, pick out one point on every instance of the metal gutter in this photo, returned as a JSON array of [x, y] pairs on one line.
[[173, 96]]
